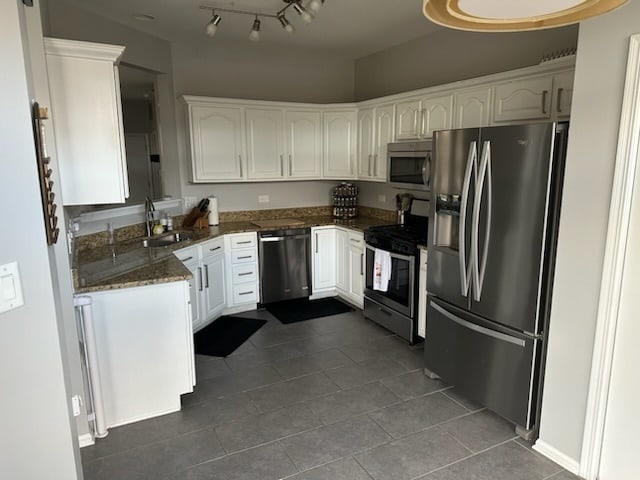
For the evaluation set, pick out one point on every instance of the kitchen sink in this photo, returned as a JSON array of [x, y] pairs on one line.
[[165, 240]]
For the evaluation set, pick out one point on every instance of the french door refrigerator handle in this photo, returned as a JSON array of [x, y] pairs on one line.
[[484, 175], [465, 271], [478, 328]]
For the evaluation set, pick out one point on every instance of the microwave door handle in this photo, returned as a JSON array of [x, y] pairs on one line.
[[465, 270], [426, 170]]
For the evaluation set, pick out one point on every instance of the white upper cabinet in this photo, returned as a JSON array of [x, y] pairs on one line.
[[375, 131], [416, 119], [265, 143], [304, 144], [408, 119], [436, 114], [339, 146], [87, 118], [523, 100], [473, 108], [562, 94], [216, 138]]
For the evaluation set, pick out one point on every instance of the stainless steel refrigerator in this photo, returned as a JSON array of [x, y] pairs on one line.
[[491, 249]]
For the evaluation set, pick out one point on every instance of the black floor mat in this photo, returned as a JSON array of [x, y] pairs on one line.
[[292, 311], [225, 334]]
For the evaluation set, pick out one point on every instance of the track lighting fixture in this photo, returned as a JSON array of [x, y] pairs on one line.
[[212, 26], [306, 15], [254, 35]]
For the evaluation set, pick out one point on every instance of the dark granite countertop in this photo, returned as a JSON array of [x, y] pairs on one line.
[[127, 264]]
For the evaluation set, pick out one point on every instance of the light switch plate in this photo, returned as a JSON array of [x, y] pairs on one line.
[[10, 287]]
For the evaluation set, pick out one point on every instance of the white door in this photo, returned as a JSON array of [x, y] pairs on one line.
[[365, 143], [213, 279], [384, 134], [356, 269], [620, 459], [304, 144], [138, 167], [265, 137], [436, 114], [323, 242], [216, 143], [195, 287], [339, 147]]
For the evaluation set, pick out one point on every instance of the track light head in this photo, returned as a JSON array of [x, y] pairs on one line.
[[285, 24], [306, 16], [254, 35], [315, 5], [212, 26]]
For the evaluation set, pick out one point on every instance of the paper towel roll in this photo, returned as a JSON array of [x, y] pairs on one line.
[[213, 211]]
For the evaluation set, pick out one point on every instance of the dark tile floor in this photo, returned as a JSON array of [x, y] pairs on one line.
[[334, 398]]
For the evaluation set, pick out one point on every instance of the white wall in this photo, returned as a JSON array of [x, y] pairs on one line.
[[36, 428], [450, 55], [595, 115]]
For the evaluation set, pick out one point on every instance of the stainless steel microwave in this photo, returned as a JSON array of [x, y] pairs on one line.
[[409, 165]]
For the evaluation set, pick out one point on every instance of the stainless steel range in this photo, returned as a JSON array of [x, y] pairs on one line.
[[396, 308]]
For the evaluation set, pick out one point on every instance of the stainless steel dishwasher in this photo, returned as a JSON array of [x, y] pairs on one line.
[[285, 264]]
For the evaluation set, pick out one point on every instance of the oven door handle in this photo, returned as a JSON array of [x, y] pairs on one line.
[[408, 258]]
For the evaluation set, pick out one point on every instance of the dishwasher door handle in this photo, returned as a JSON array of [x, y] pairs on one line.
[[279, 239]]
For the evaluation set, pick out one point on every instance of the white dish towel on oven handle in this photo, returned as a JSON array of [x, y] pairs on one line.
[[381, 270]]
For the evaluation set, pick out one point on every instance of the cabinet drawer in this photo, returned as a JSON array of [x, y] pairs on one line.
[[243, 240], [244, 273], [244, 256], [213, 246], [189, 254], [245, 293]]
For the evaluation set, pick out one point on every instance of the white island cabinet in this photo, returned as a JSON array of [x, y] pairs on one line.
[[87, 120], [144, 345]]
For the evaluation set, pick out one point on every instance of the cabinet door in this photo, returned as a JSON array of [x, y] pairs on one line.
[[356, 268], [216, 143], [265, 138], [407, 120], [213, 278], [365, 143], [324, 264], [340, 149], [523, 100], [87, 114], [196, 286], [473, 108], [304, 144], [436, 114], [562, 93], [384, 134], [341, 260]]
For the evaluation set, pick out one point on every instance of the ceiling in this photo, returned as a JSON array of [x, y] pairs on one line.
[[351, 28]]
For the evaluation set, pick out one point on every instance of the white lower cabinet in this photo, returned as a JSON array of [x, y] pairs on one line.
[[323, 245], [144, 346], [242, 278], [349, 260], [422, 294], [342, 260], [206, 262]]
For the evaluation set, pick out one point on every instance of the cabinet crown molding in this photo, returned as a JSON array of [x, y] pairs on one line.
[[85, 50]]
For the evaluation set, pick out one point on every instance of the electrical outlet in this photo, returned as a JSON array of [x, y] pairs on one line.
[[263, 198], [76, 403], [382, 198]]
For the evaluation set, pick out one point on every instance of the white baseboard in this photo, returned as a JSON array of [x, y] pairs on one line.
[[85, 440], [323, 294], [557, 456]]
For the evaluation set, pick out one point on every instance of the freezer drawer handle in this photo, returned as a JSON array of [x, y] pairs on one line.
[[477, 328]]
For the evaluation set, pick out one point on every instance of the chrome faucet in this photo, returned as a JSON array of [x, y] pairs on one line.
[[149, 208]]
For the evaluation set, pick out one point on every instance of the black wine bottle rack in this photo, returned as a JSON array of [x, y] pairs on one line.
[[44, 173]]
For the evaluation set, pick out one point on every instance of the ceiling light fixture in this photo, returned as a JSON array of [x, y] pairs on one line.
[[305, 13], [212, 26], [515, 15], [254, 35]]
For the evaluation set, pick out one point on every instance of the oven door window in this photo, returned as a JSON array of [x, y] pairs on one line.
[[400, 285], [407, 169]]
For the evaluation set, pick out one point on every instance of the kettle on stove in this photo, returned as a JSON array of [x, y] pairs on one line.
[[403, 205]]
